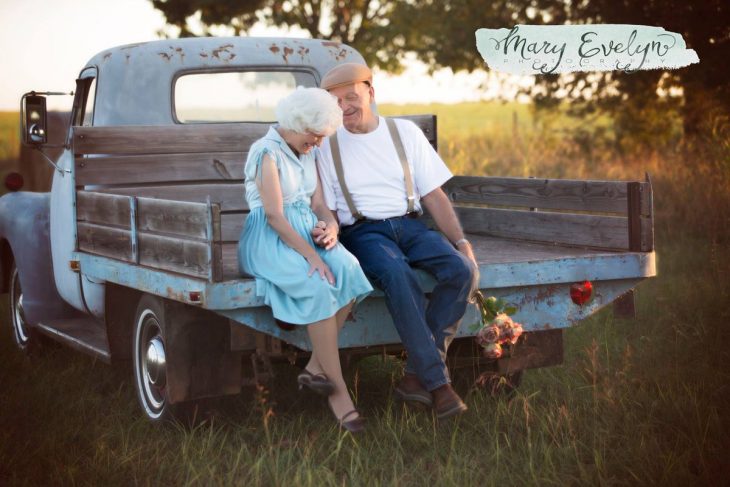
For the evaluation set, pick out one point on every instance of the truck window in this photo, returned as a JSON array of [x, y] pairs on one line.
[[87, 118], [249, 96]]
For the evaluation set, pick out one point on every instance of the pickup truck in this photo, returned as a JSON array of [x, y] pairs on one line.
[[131, 257]]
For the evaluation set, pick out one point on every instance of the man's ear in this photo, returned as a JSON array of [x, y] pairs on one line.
[[371, 91]]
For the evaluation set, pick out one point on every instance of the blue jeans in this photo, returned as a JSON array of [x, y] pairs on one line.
[[388, 251]]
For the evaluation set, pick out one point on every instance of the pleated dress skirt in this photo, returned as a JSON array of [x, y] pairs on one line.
[[281, 272]]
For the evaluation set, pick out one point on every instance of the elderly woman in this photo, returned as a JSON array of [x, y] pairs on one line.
[[305, 282]]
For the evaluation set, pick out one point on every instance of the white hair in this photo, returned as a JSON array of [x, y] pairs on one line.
[[309, 110]]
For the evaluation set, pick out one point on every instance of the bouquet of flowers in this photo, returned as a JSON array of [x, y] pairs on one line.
[[496, 327]]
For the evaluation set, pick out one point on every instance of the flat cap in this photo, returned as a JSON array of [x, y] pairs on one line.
[[345, 74]]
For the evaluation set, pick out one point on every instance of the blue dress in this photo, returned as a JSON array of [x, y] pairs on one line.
[[280, 271]]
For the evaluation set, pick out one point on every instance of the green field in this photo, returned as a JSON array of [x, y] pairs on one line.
[[643, 401], [9, 145]]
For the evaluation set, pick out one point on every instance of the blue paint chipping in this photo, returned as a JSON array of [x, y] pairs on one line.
[[540, 290]]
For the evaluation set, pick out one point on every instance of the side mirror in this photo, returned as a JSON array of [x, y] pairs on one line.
[[33, 119]]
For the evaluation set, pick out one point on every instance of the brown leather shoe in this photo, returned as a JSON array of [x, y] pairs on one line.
[[446, 402], [410, 390]]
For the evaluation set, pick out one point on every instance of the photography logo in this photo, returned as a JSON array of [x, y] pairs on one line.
[[548, 49]]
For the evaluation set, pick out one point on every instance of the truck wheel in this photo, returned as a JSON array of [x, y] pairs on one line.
[[149, 359], [25, 337]]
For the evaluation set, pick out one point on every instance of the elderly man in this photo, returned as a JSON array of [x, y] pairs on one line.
[[377, 174]]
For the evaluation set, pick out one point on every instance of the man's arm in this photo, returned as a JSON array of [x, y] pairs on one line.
[[440, 209]]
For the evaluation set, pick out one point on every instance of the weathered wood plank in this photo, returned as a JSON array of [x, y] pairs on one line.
[[162, 139], [610, 232], [647, 234], [634, 215], [160, 168], [229, 261], [232, 225], [190, 138], [555, 194], [229, 196], [106, 241], [182, 218], [213, 232], [187, 257], [108, 209]]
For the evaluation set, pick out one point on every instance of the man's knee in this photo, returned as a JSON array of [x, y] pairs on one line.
[[459, 270]]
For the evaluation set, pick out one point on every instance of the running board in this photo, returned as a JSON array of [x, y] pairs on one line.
[[83, 334]]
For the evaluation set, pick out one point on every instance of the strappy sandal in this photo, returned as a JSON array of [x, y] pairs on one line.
[[318, 383], [354, 426]]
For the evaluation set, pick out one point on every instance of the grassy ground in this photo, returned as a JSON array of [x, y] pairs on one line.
[[636, 402]]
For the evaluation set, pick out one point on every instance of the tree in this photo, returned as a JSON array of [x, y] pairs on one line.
[[631, 98], [441, 34]]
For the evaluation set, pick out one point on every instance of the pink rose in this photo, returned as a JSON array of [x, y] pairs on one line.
[[492, 351], [488, 334]]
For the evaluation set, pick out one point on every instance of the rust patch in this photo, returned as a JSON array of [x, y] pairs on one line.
[[331, 44], [164, 56], [223, 53], [274, 48], [173, 294], [204, 55], [288, 51], [341, 55], [180, 53], [303, 51], [544, 293], [107, 56]]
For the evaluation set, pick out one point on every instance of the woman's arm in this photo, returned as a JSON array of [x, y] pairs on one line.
[[270, 190], [327, 236]]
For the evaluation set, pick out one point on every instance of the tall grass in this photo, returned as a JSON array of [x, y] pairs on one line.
[[635, 402]]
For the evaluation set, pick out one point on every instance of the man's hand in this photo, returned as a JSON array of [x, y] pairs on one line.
[[465, 248], [324, 235]]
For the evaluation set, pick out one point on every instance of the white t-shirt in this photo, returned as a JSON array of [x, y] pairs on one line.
[[373, 172]]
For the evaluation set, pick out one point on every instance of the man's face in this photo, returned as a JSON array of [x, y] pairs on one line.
[[355, 100]]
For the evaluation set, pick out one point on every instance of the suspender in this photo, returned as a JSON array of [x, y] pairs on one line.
[[337, 159], [403, 162]]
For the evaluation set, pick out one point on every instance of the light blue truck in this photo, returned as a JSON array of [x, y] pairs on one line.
[[131, 257]]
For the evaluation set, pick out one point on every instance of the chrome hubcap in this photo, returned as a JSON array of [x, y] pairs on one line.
[[155, 362], [151, 364]]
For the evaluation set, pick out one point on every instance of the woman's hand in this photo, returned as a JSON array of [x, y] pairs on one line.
[[316, 264], [325, 235]]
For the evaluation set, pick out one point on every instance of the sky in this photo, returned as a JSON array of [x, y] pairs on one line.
[[44, 44]]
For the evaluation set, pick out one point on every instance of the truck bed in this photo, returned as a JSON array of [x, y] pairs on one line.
[[488, 251], [160, 210]]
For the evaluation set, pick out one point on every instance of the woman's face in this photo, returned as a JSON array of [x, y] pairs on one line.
[[304, 143]]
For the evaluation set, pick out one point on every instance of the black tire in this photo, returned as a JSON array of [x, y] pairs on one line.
[[25, 336], [149, 364]]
